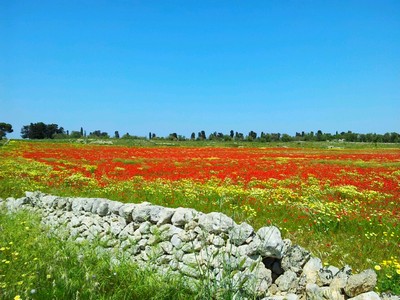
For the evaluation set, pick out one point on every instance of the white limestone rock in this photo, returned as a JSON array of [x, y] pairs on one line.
[[366, 296], [361, 283], [216, 223], [240, 233], [267, 242]]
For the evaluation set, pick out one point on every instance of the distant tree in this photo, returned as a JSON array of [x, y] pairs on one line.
[[232, 134], [116, 134], [362, 138], [4, 129], [126, 136], [298, 136], [59, 136], [153, 135], [320, 136], [275, 137], [75, 135], [262, 137], [239, 136], [308, 136], [193, 136], [328, 136], [95, 133], [81, 131], [252, 135], [52, 129], [201, 135], [394, 137], [267, 137], [173, 136], [150, 135], [286, 138], [33, 131], [227, 137], [98, 134], [40, 131], [350, 136]]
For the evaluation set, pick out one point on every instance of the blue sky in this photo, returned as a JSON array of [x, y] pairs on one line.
[[186, 66]]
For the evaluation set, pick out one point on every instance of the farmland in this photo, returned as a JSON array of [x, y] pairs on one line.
[[341, 204]]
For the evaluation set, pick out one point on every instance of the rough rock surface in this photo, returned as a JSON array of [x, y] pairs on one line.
[[360, 283], [366, 296]]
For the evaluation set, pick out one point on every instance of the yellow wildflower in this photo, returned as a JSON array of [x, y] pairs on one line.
[[377, 267]]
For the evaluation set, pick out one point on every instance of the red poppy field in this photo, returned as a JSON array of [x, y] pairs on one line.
[[343, 204]]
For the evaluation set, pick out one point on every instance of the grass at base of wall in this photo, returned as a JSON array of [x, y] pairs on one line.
[[36, 265]]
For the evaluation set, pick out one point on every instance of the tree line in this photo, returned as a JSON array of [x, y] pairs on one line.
[[41, 130], [319, 136]]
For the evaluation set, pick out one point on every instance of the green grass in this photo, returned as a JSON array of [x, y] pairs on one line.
[[331, 146], [36, 265]]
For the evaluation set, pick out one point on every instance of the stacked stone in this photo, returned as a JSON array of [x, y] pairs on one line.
[[200, 246]]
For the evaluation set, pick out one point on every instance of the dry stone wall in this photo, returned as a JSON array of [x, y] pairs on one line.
[[200, 246]]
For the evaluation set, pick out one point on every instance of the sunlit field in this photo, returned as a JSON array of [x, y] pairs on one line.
[[341, 204]]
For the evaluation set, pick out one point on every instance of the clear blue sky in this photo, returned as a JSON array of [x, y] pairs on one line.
[[186, 66]]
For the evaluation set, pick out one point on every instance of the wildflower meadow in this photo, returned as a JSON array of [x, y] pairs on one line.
[[340, 203]]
